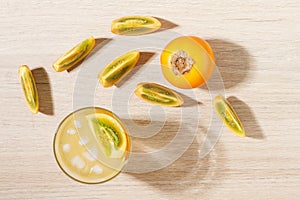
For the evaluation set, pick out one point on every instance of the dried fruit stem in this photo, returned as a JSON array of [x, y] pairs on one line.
[[181, 63]]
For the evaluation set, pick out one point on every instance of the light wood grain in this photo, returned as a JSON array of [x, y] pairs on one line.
[[257, 44]]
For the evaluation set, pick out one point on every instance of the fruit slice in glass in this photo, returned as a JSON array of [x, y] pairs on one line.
[[91, 145]]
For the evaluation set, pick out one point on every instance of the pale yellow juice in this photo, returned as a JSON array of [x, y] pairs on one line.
[[91, 145]]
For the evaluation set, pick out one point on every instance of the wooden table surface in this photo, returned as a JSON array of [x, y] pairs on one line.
[[256, 44]]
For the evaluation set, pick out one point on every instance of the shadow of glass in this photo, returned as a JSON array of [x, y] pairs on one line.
[[171, 154], [166, 24], [153, 134], [233, 61], [144, 58], [99, 43], [44, 90], [156, 144], [246, 115], [192, 172]]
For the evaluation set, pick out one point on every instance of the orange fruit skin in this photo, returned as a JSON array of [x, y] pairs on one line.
[[204, 62]]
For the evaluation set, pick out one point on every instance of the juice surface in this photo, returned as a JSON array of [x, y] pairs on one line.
[[80, 152]]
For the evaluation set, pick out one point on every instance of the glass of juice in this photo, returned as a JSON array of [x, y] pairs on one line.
[[91, 145]]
